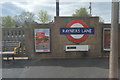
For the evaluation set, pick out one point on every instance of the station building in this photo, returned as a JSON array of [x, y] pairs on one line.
[[65, 37], [52, 41]]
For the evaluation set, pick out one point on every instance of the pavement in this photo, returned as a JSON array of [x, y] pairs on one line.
[[57, 68]]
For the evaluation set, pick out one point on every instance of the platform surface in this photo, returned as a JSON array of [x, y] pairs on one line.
[[57, 68]]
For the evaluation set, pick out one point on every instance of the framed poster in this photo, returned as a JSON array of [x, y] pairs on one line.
[[42, 40], [106, 39]]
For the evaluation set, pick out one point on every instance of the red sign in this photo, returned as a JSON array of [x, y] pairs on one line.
[[77, 37], [40, 34]]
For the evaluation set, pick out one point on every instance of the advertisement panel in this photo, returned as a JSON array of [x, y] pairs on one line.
[[106, 39], [42, 40]]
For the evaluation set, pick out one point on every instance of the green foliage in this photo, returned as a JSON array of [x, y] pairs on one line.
[[17, 21], [6, 22], [43, 16], [24, 17], [82, 12]]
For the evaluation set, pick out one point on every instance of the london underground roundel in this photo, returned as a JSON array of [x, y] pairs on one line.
[[77, 37]]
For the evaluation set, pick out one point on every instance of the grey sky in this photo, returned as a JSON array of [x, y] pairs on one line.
[[67, 8]]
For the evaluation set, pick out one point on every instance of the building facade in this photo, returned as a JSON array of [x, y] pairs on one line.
[[57, 45]]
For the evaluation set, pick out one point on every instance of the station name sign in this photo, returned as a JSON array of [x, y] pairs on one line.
[[76, 31]]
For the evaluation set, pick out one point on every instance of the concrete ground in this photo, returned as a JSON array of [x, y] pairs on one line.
[[56, 68]]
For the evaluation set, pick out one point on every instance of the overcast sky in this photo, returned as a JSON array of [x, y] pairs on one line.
[[67, 7]]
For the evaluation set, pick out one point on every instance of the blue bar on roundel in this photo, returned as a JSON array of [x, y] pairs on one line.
[[76, 31]]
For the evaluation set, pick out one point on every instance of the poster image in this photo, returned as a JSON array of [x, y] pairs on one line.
[[42, 40], [106, 40]]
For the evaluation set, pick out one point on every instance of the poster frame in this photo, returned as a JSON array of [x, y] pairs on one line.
[[49, 40], [105, 49]]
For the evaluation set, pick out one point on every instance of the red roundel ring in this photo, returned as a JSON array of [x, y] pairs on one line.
[[83, 37]]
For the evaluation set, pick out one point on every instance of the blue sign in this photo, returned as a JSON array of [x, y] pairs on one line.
[[76, 30]]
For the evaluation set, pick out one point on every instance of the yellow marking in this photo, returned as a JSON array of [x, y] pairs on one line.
[[10, 58], [15, 52]]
